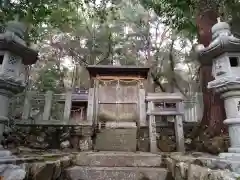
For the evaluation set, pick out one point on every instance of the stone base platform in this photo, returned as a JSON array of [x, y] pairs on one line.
[[117, 166], [118, 159], [121, 166], [116, 173], [112, 139]]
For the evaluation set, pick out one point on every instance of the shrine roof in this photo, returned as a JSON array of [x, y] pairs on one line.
[[106, 70]]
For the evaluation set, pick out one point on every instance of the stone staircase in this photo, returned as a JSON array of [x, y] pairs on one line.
[[117, 166]]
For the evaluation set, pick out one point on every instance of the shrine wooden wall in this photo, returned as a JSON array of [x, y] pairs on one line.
[[118, 100]]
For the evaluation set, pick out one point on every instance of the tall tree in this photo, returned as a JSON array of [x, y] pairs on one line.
[[196, 18]]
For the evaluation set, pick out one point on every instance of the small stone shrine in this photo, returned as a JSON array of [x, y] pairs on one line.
[[116, 106], [223, 54], [168, 105], [14, 56]]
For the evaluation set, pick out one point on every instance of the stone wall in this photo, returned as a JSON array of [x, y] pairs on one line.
[[205, 142], [82, 138], [54, 137], [166, 137], [199, 166]]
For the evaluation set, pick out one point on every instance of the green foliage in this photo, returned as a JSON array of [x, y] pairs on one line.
[[123, 32], [40, 13], [181, 14], [177, 14], [49, 79]]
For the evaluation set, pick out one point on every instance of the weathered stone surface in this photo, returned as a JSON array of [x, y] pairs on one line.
[[12, 172], [181, 171], [115, 173], [74, 140], [85, 143], [5, 153], [143, 144], [166, 143], [170, 164], [65, 144], [185, 167], [16, 160], [118, 159], [48, 170], [143, 139], [117, 140], [86, 130], [197, 172], [42, 170]]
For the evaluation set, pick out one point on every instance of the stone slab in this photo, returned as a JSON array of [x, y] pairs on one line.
[[117, 140], [115, 173], [4, 153], [118, 159]]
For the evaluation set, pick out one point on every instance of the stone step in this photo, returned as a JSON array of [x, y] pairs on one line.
[[118, 159], [16, 160], [115, 173]]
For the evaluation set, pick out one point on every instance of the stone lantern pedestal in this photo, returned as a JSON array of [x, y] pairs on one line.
[[231, 95]]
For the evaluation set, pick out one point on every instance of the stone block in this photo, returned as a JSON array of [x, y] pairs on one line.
[[118, 159], [143, 145], [115, 173], [5, 153], [9, 171], [51, 169], [87, 130], [83, 130], [117, 140]]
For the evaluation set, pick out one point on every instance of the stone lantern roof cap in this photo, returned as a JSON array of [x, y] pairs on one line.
[[222, 42], [13, 40], [219, 28], [17, 27]]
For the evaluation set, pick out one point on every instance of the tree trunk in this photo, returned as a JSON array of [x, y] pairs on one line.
[[214, 112]]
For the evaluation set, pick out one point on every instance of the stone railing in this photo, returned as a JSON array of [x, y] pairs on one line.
[[43, 108]]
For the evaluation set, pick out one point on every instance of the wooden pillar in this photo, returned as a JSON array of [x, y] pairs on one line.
[[27, 106], [67, 106], [178, 125], [90, 108], [142, 109], [152, 128], [48, 105]]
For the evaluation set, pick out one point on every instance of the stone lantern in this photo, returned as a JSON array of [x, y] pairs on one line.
[[15, 55], [223, 54]]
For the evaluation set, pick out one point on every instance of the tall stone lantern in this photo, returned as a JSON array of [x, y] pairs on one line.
[[15, 55], [223, 54]]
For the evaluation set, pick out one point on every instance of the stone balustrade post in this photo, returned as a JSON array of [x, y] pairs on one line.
[[48, 105], [68, 106]]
